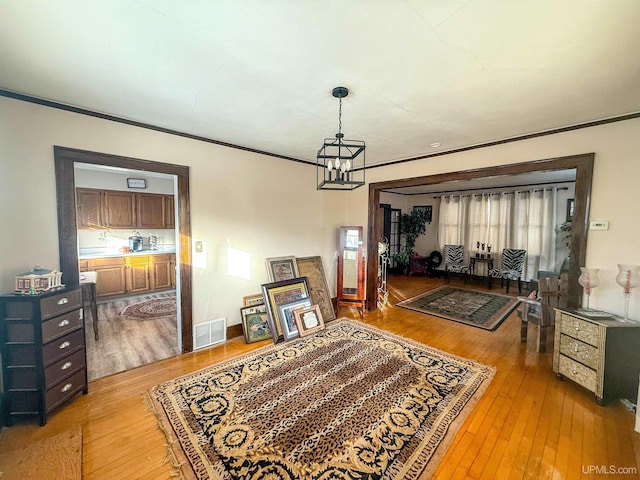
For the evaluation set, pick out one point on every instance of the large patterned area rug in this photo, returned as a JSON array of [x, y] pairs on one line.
[[350, 402], [479, 309]]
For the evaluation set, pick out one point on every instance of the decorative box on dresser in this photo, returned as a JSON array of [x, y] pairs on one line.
[[43, 352], [599, 351]]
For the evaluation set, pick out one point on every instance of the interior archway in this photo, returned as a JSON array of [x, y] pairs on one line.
[[583, 164]]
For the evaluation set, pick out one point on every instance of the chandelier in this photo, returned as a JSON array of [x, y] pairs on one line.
[[337, 166]]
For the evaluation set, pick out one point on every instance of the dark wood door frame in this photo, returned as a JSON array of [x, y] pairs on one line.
[[65, 158], [583, 164]]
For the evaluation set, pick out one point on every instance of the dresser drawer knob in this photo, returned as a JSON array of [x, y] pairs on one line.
[[64, 345], [66, 366], [576, 348], [63, 323], [577, 327], [63, 301], [66, 388]]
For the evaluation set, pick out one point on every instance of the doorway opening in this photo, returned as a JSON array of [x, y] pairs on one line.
[[65, 162], [583, 165]]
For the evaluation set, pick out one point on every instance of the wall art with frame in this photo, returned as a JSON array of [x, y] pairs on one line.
[[312, 269], [281, 293]]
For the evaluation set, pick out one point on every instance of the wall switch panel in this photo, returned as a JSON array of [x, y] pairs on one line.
[[599, 225]]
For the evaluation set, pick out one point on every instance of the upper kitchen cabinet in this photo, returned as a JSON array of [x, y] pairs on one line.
[[120, 209], [89, 208], [169, 213], [151, 211], [126, 210]]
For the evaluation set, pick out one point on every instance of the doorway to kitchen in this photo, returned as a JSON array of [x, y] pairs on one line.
[[65, 163], [127, 249]]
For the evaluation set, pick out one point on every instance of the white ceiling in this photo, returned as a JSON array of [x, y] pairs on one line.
[[259, 73]]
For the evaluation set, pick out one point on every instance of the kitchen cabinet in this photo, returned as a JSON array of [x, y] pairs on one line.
[[111, 279], [132, 274], [162, 271], [151, 212], [124, 210], [137, 279], [120, 209], [89, 208], [598, 351], [169, 212], [43, 352]]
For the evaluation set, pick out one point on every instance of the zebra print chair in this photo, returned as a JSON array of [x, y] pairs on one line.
[[511, 268], [454, 261]]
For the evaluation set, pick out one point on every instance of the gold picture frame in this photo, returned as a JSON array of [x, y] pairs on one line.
[[280, 293], [253, 300], [308, 320]]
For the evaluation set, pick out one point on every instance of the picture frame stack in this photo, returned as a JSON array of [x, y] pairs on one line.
[[295, 303]]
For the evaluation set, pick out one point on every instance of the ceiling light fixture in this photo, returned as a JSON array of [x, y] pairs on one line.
[[336, 162]]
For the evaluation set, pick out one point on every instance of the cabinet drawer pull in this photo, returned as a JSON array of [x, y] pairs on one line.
[[63, 323], [63, 301], [576, 349], [66, 366], [66, 388], [64, 345]]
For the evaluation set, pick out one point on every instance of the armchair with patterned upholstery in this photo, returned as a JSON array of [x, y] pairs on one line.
[[454, 261], [511, 268]]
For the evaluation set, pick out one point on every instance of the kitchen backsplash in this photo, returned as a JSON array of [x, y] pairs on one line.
[[120, 238]]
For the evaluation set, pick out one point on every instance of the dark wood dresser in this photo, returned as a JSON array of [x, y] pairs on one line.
[[43, 352], [599, 351]]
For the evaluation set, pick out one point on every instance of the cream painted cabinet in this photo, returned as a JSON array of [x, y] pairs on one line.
[[598, 351]]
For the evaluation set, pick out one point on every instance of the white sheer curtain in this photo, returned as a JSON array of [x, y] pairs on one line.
[[450, 223], [501, 222], [535, 229], [477, 223]]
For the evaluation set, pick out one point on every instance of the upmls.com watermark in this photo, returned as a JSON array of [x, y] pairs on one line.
[[608, 470]]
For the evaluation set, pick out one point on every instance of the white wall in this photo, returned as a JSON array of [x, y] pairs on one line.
[[264, 206], [269, 207]]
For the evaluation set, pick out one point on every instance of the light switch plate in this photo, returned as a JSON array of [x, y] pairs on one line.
[[599, 225], [198, 246]]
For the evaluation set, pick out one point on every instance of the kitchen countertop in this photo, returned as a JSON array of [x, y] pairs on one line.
[[89, 253]]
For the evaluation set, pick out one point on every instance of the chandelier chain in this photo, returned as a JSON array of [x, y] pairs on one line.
[[340, 117]]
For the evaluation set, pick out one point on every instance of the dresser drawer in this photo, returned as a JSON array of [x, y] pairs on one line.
[[57, 326], [63, 368], [580, 329], [577, 372], [65, 389], [58, 304], [63, 346], [580, 351]]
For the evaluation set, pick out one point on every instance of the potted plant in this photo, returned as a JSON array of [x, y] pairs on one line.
[[412, 225]]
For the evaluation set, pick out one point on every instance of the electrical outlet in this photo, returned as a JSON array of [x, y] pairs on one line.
[[198, 246], [599, 225]]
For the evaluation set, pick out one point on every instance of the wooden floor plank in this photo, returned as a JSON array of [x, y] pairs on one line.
[[551, 429]]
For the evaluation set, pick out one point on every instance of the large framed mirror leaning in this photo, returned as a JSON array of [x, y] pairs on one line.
[[351, 292]]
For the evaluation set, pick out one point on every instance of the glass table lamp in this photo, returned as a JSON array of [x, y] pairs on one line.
[[588, 279], [628, 277]]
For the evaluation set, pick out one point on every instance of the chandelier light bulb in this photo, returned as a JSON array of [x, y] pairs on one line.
[[348, 164], [329, 165], [337, 163]]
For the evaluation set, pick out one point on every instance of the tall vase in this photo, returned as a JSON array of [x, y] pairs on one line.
[[588, 279], [628, 277]]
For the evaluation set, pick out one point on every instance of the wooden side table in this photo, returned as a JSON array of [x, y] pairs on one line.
[[88, 282]]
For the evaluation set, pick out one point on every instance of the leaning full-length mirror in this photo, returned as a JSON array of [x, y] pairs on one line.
[[351, 268]]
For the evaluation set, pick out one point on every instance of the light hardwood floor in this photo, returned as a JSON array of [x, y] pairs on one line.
[[526, 425]]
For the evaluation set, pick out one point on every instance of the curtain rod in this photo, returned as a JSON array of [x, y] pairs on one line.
[[513, 186]]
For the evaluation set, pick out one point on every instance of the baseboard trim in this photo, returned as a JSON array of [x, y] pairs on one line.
[[234, 331]]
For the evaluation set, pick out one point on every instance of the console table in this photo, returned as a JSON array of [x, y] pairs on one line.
[[599, 351]]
